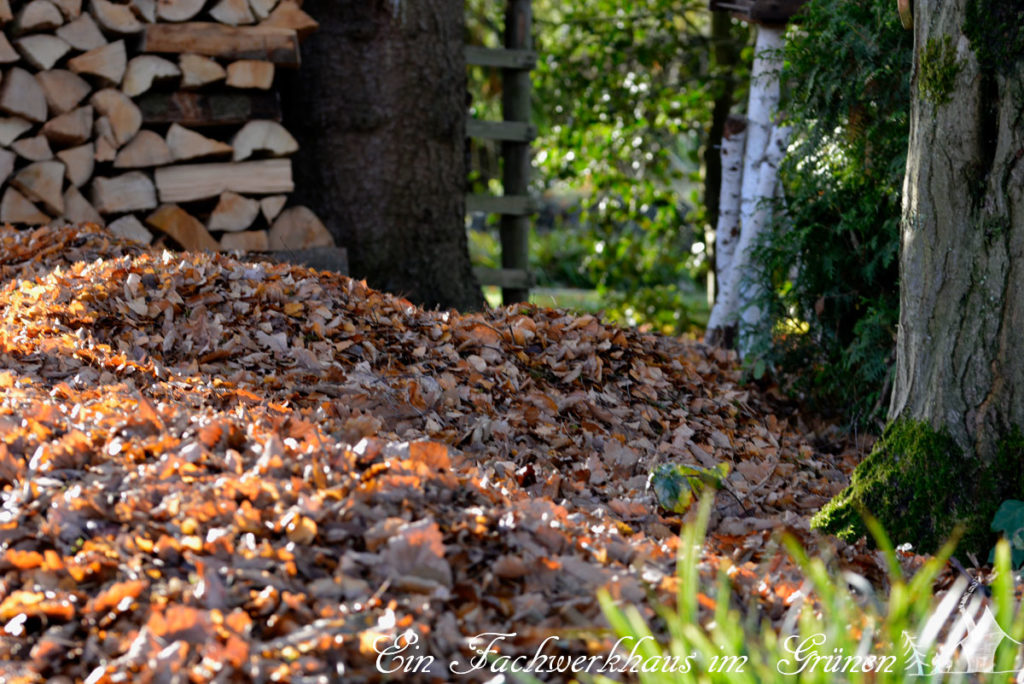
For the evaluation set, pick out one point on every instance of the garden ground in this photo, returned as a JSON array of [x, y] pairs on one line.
[[248, 471]]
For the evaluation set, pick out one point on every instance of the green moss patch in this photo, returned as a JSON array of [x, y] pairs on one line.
[[922, 487], [939, 69]]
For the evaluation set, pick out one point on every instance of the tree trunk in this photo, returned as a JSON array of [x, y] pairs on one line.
[[725, 55], [761, 110], [959, 364], [954, 451], [379, 111]]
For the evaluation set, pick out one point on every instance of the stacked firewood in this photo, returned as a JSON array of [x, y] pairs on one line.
[[157, 118]]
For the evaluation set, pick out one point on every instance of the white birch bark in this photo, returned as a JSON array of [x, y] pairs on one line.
[[727, 232], [761, 108], [749, 290]]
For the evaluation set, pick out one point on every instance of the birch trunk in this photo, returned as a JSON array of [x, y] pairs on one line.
[[761, 108], [727, 231]]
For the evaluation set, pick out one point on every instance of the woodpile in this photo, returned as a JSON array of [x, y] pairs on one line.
[[156, 118]]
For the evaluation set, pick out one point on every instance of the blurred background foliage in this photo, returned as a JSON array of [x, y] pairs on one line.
[[630, 99], [832, 254], [624, 98]]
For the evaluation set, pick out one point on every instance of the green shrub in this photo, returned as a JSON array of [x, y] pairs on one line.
[[831, 256]]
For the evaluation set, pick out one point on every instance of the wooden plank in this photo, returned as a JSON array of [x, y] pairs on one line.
[[515, 178], [186, 145], [500, 58], [299, 228], [234, 213], [263, 136], [249, 241], [178, 10], [108, 63], [186, 230], [277, 45], [513, 131], [132, 191], [188, 182], [42, 182], [512, 205], [505, 278], [289, 15], [22, 96], [196, 110]]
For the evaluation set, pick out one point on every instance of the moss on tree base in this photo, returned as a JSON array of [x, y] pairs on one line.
[[919, 484]]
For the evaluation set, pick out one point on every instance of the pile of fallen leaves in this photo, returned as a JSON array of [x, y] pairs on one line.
[[230, 471]]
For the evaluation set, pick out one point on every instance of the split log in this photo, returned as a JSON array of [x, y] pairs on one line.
[[5, 12], [108, 63], [200, 109], [188, 182], [82, 34], [129, 192], [263, 136], [8, 55], [80, 162], [12, 128], [115, 18], [186, 230], [42, 50], [144, 70], [36, 17], [71, 9], [34, 149], [145, 9], [21, 95], [125, 117], [198, 71], [288, 15], [131, 228], [249, 241], [299, 228], [42, 182], [234, 213], [78, 210], [178, 10], [262, 8], [106, 141], [147, 149], [185, 145], [73, 128], [15, 208], [233, 12], [251, 73], [62, 89], [277, 45], [272, 206], [7, 159]]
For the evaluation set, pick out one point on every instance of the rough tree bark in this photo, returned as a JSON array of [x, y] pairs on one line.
[[379, 111], [954, 450], [959, 364]]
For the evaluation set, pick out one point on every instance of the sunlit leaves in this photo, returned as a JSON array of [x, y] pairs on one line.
[[181, 497]]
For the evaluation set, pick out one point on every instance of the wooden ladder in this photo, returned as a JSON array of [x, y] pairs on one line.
[[515, 133]]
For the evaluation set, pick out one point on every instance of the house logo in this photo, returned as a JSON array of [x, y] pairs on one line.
[[969, 646]]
